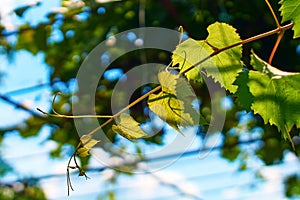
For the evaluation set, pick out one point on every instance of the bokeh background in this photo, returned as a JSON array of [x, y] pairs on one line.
[[42, 45]]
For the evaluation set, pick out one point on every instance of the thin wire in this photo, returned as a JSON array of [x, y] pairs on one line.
[[29, 89], [6, 97], [19, 105], [154, 159], [249, 183], [175, 187]]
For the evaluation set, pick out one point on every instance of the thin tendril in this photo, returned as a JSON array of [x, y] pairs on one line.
[[180, 29], [56, 114]]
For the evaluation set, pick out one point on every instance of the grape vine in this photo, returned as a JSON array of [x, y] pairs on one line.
[[272, 93]]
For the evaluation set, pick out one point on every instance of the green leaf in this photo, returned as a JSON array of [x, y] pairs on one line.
[[174, 103], [271, 151], [31, 126], [230, 149], [290, 10], [223, 67], [33, 40], [276, 95], [243, 95], [292, 185], [128, 127], [188, 54], [87, 144]]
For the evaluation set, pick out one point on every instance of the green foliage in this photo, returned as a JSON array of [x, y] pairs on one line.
[[87, 143], [270, 153], [32, 127], [276, 95], [33, 40], [243, 95], [292, 186], [174, 103], [230, 150], [24, 192], [269, 92], [128, 127], [290, 10], [223, 67]]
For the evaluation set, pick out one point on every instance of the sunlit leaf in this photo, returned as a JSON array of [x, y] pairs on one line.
[[223, 67], [87, 143], [128, 127], [174, 103], [290, 10], [276, 95]]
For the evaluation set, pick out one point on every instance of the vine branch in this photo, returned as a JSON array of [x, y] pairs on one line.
[[275, 46], [124, 109], [279, 30], [281, 33], [217, 51]]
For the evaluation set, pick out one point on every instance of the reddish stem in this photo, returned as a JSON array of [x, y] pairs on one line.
[[276, 46]]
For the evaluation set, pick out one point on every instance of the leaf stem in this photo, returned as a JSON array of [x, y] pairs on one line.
[[124, 109], [73, 117], [275, 47], [273, 13], [281, 33]]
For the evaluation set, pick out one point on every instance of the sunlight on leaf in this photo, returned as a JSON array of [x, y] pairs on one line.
[[128, 127], [276, 95], [87, 144], [174, 103], [223, 67], [290, 10]]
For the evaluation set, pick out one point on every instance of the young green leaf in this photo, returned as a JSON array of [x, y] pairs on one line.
[[290, 10], [168, 108], [189, 53], [223, 67], [174, 103], [128, 127], [276, 95], [168, 81], [87, 144]]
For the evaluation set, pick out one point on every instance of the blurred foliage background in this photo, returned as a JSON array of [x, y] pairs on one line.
[[81, 25]]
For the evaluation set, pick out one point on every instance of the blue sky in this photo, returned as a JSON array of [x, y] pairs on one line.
[[210, 177]]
